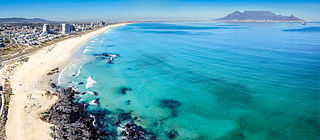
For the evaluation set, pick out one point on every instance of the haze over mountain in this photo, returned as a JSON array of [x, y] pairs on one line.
[[259, 16], [23, 20]]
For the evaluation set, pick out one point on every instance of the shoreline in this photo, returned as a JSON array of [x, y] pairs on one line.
[[29, 82]]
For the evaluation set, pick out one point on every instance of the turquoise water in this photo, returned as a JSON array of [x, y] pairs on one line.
[[220, 80]]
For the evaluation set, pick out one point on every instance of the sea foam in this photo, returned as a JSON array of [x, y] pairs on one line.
[[90, 82], [85, 50], [78, 73]]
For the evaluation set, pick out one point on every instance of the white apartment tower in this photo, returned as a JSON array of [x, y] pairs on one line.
[[46, 28], [66, 28]]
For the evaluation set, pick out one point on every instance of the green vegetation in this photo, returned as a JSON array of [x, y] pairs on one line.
[[3, 119]]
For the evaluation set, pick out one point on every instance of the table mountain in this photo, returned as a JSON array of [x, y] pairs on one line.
[[258, 16]]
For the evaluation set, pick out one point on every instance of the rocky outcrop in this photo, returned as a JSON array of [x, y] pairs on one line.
[[53, 71], [131, 131], [72, 120], [125, 89]]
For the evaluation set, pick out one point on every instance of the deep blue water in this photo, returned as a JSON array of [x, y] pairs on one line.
[[208, 80]]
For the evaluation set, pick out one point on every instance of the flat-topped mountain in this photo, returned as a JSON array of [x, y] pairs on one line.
[[258, 16], [22, 20]]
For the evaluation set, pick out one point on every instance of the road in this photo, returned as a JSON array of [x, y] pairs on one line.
[[13, 42]]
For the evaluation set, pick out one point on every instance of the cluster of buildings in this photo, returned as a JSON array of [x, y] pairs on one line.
[[34, 34], [2, 41]]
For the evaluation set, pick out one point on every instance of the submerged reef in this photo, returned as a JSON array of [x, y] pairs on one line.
[[173, 134], [170, 104]]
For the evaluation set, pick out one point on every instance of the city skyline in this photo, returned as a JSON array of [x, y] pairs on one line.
[[96, 10]]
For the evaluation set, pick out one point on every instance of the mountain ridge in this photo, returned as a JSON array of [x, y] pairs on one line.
[[259, 16], [23, 20]]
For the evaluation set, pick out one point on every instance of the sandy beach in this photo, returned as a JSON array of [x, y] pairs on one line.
[[28, 82]]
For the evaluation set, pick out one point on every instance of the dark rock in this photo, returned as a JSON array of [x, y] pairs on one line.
[[80, 83], [173, 134], [72, 120], [110, 54], [53, 71], [53, 85], [117, 122], [155, 123], [95, 102], [124, 116], [124, 90], [110, 62], [70, 91], [105, 54], [242, 136], [134, 132], [101, 58]]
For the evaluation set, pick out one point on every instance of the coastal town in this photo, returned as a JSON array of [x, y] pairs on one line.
[[17, 40], [37, 33]]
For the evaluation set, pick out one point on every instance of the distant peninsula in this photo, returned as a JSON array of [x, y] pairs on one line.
[[258, 16], [22, 20]]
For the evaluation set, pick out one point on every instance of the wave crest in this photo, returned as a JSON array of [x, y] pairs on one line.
[[90, 82]]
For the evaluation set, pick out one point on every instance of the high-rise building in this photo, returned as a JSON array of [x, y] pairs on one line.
[[102, 23], [66, 28], [72, 27], [46, 28]]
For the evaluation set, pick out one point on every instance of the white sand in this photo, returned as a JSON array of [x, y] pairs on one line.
[[28, 84]]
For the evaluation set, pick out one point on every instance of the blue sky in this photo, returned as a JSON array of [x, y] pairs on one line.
[[152, 9]]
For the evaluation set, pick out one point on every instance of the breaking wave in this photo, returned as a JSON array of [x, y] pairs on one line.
[[90, 82]]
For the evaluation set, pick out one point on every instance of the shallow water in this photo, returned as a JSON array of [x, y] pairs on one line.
[[208, 80]]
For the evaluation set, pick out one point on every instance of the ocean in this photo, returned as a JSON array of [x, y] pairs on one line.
[[206, 80]]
